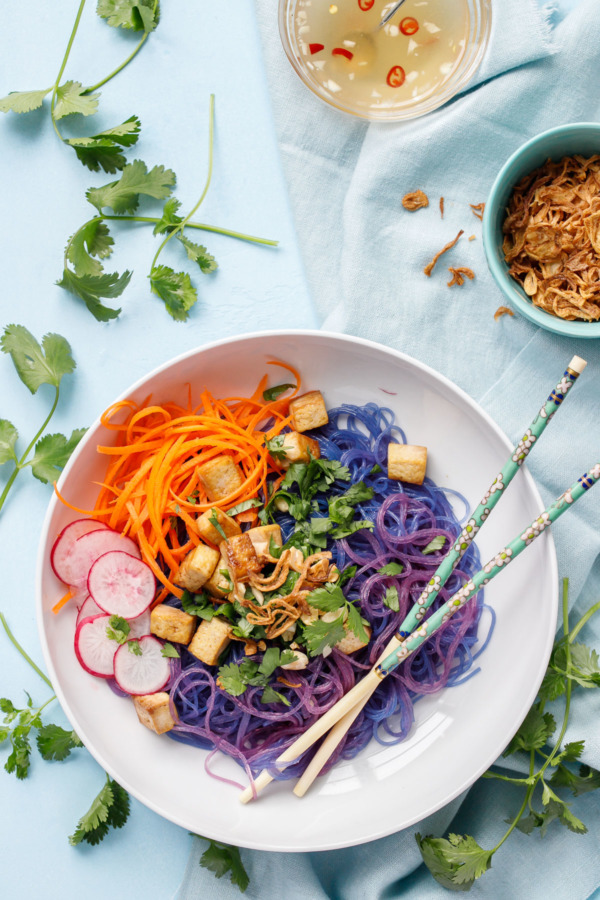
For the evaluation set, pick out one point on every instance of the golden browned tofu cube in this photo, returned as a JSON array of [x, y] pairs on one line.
[[197, 567], [154, 712], [350, 643], [308, 411], [241, 556], [172, 624], [210, 640], [219, 585], [298, 449], [261, 537], [220, 477], [206, 528], [407, 462]]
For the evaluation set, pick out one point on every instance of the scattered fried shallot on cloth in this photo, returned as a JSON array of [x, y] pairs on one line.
[[459, 274], [442, 207], [552, 237], [503, 311], [478, 209], [415, 200], [430, 266]]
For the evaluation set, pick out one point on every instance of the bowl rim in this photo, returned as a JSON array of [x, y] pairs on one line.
[[507, 176], [529, 691], [485, 9]]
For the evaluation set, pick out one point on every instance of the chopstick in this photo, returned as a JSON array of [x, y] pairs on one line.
[[451, 560], [345, 711]]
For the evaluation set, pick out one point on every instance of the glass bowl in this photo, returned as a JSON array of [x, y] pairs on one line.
[[369, 97]]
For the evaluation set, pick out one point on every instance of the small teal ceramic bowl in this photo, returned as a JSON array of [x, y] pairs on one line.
[[580, 137]]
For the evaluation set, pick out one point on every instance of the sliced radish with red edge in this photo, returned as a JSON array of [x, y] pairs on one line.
[[121, 584], [93, 648], [140, 626], [146, 673], [62, 549], [89, 547], [88, 609]]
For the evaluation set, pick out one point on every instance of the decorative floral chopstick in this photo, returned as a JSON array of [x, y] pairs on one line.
[[425, 600], [497, 564]]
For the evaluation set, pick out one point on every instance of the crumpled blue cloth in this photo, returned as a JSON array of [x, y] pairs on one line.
[[364, 257]]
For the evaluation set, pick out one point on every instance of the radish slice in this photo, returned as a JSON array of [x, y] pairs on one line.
[[93, 648], [121, 584], [89, 547], [60, 555], [144, 674], [140, 626], [88, 609]]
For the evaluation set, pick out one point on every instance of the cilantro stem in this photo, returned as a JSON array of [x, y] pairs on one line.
[[182, 224], [25, 656], [22, 462], [569, 683], [132, 55], [584, 619], [150, 220], [62, 68]]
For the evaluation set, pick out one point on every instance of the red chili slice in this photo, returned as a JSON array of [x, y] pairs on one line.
[[366, 5], [396, 76], [316, 48], [341, 51], [409, 26]]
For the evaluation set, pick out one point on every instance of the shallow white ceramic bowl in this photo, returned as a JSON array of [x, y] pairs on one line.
[[458, 733]]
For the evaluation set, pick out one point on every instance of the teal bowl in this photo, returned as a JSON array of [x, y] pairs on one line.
[[580, 137]]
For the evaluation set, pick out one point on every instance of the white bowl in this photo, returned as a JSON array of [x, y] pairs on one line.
[[458, 732]]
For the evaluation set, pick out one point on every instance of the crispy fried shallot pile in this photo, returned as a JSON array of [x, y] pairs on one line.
[[552, 237]]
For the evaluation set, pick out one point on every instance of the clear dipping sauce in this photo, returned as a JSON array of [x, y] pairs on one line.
[[410, 65]]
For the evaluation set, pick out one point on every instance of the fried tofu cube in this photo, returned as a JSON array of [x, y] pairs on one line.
[[172, 624], [350, 643], [207, 530], [407, 462], [308, 411], [219, 585], [154, 712], [210, 640], [298, 449], [197, 567], [261, 537], [241, 556], [220, 477]]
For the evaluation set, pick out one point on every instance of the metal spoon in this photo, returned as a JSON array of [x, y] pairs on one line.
[[389, 15]]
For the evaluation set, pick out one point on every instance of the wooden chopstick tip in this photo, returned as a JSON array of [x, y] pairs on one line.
[[577, 365]]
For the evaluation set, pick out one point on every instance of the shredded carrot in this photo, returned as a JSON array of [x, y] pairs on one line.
[[151, 490], [62, 602]]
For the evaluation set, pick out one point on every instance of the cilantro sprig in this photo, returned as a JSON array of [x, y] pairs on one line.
[[234, 677], [224, 859], [320, 635], [109, 809], [37, 365], [457, 861]]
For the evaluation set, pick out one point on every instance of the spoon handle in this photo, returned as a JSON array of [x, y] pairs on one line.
[[392, 12]]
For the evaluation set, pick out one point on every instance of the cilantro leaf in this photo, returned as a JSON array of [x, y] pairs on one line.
[[169, 219], [91, 288], [37, 365], [134, 647], [92, 240], [8, 440], [348, 573], [170, 651], [214, 521], [585, 669], [243, 506], [455, 863], [55, 742], [355, 623], [391, 598], [199, 254], [175, 289], [71, 98], [231, 679], [534, 733], [123, 196], [275, 446], [52, 453], [110, 808], [134, 15], [436, 544], [23, 101], [19, 758], [328, 598], [274, 392], [320, 635], [392, 568], [270, 695], [104, 150], [223, 859], [118, 629], [587, 779]]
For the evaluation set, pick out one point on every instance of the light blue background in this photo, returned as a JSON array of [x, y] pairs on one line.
[[200, 47]]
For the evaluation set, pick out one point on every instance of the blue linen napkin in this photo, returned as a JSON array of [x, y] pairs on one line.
[[364, 257]]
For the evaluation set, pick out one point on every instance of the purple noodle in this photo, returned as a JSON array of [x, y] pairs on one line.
[[407, 518]]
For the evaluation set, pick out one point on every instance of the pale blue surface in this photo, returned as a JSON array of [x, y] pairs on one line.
[[201, 48]]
